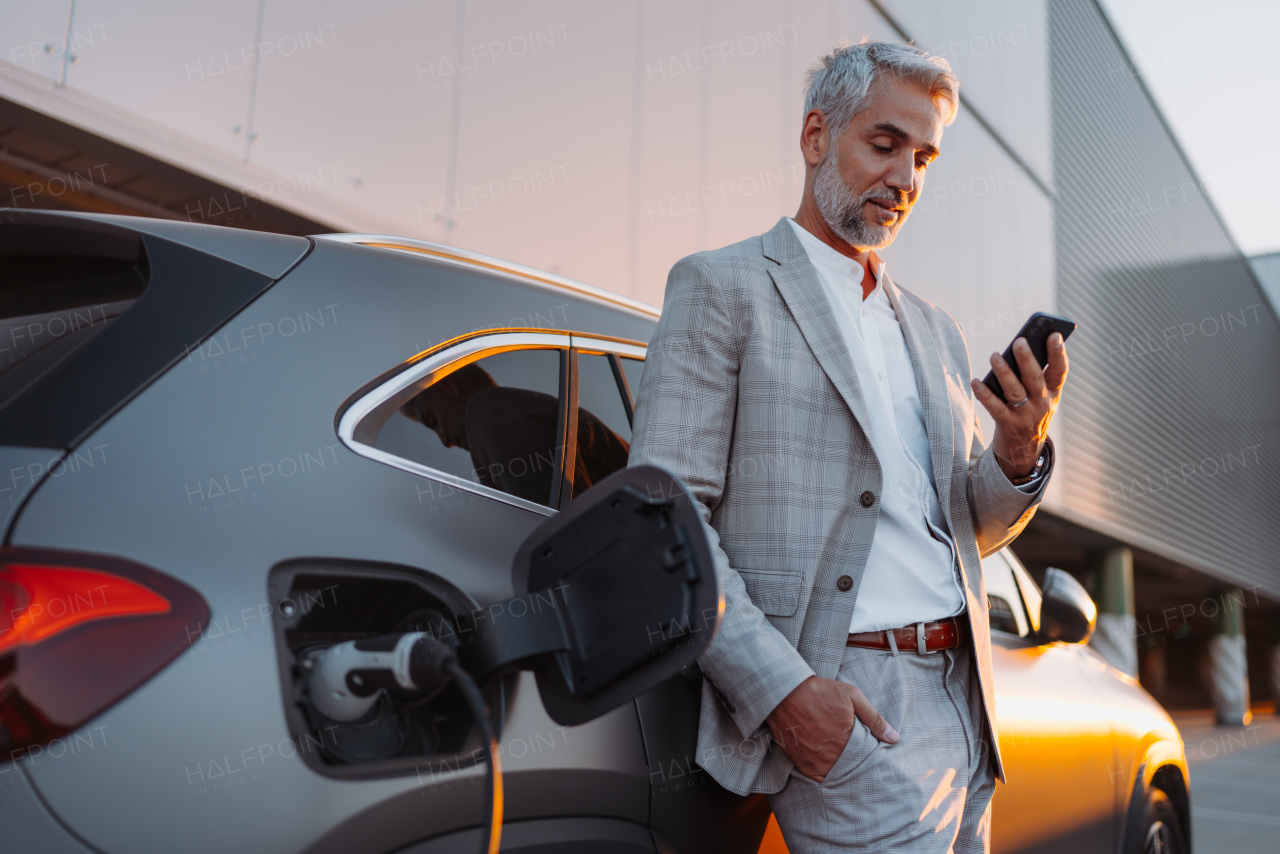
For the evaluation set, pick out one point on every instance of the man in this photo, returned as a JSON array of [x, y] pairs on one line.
[[820, 416]]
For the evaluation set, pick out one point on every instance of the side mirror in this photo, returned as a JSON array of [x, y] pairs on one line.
[[1066, 611], [615, 594]]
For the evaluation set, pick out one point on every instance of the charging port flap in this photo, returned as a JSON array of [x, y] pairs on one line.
[[626, 573]]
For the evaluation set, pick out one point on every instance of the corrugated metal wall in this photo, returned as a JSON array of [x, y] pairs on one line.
[[1172, 410], [1267, 269]]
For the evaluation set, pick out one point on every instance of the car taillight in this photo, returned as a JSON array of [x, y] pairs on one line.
[[77, 633]]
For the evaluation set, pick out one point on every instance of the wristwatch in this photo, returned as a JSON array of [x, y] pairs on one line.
[[1035, 473]]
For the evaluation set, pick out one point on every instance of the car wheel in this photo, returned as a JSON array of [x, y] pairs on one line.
[[1161, 829]]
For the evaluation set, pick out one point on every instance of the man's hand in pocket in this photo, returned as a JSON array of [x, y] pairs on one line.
[[814, 723]]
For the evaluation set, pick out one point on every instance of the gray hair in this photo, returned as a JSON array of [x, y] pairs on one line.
[[840, 85]]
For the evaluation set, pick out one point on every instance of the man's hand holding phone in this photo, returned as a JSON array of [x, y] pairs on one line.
[[1030, 396]]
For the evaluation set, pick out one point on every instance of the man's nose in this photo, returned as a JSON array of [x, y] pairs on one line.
[[902, 176]]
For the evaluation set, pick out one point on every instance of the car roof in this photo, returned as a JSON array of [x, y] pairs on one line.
[[466, 257]]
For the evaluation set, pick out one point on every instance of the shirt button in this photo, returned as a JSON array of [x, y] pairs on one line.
[[868, 498], [844, 583]]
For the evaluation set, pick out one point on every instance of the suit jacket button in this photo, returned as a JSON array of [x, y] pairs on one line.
[[844, 583], [868, 498]]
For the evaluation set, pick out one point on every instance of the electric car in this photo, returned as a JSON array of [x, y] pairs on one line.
[[226, 454]]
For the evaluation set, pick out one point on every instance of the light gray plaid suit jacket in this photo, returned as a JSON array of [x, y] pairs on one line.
[[750, 396]]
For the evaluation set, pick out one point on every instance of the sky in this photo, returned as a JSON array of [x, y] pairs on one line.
[[1210, 67]]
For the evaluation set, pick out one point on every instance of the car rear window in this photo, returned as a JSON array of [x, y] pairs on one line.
[[52, 304], [93, 311]]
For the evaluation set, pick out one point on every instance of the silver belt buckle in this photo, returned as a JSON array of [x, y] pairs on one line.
[[920, 641]]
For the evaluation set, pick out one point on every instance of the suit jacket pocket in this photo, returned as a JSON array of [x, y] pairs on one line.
[[776, 592]]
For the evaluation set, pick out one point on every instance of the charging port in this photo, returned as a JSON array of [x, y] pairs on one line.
[[322, 603]]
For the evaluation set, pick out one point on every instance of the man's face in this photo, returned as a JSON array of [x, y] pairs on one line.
[[869, 180]]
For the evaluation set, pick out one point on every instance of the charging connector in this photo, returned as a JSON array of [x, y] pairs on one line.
[[346, 680]]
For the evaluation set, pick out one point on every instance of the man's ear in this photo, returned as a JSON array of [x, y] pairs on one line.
[[814, 138]]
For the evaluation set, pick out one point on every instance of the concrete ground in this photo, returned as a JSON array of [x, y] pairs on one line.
[[1235, 782]]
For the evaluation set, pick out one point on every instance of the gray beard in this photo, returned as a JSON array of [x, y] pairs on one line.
[[842, 210]]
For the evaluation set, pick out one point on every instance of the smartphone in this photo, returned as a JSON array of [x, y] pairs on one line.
[[1036, 330]]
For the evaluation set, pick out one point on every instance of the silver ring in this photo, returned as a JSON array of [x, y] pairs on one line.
[[1022, 402]]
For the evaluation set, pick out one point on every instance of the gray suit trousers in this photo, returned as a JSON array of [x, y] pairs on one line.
[[930, 792]]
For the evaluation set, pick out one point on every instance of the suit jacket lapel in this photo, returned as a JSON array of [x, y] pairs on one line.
[[797, 281], [931, 381]]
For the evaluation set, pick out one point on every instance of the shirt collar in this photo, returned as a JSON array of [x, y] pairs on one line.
[[849, 270]]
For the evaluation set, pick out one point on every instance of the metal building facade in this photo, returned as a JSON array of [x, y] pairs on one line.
[[1172, 409]]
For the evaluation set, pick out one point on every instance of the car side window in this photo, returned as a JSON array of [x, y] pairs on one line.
[[632, 369], [1004, 603], [604, 431], [495, 422]]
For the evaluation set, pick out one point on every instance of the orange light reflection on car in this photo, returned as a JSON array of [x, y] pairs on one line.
[[1042, 743]]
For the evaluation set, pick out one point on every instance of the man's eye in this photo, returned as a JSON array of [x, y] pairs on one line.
[[884, 149], [922, 165]]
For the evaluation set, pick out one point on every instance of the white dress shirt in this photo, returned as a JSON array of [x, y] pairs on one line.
[[911, 574]]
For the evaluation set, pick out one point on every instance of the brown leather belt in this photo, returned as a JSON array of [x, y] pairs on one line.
[[934, 637]]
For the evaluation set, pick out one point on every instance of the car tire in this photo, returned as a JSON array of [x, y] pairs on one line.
[[1161, 829]]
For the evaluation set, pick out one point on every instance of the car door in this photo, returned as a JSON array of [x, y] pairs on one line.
[[1054, 729]]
